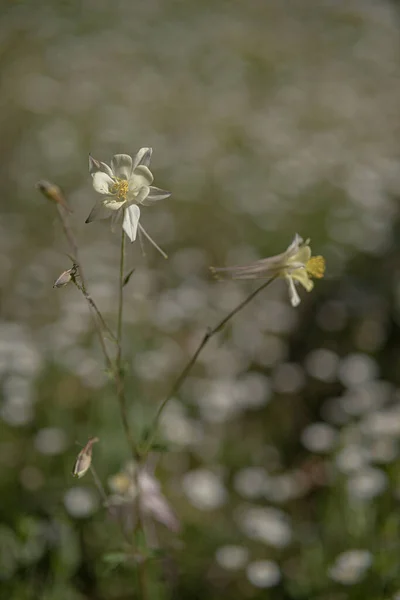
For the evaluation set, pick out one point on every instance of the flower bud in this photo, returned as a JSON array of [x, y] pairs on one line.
[[52, 192], [84, 459]]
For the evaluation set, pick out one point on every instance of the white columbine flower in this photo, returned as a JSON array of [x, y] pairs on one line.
[[124, 186], [296, 265], [129, 486]]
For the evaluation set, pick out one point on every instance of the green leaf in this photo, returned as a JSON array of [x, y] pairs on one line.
[[159, 447], [145, 434], [157, 553], [127, 277], [115, 558], [140, 541]]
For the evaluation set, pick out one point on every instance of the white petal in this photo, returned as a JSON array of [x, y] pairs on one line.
[[156, 194], [293, 295], [143, 157], [139, 196], [113, 204], [103, 183], [142, 230], [96, 165], [121, 165], [140, 176], [99, 211], [294, 246], [131, 221]]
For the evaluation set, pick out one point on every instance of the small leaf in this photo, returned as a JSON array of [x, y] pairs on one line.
[[140, 542], [159, 447], [115, 558], [127, 277], [145, 434], [157, 553]]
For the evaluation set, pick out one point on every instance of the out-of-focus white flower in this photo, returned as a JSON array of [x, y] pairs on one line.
[[124, 186], [269, 525], [263, 573], [288, 378], [50, 441], [384, 450], [232, 557], [356, 369], [350, 567], [367, 483], [382, 423], [204, 489], [127, 486], [287, 486], [251, 482], [296, 265], [352, 458], [322, 364], [80, 502], [319, 437]]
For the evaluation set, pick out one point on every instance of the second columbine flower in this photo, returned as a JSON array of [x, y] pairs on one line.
[[296, 265], [124, 186]]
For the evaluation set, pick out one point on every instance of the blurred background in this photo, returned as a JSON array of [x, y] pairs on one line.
[[266, 118]]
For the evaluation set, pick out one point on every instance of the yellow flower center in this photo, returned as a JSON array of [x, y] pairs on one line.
[[120, 188], [315, 266]]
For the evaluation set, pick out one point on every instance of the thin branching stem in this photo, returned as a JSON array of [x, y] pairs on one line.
[[115, 368], [103, 495], [187, 368], [92, 303], [75, 257]]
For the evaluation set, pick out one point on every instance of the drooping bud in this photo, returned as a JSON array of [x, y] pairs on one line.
[[66, 277], [63, 279], [52, 192], [84, 459]]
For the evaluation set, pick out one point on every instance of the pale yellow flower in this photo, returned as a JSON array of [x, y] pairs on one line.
[[296, 265]]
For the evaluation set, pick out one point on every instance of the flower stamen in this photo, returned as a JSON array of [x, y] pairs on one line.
[[120, 188], [315, 266]]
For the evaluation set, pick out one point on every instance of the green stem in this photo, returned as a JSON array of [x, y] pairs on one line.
[[75, 256], [142, 561], [185, 371], [120, 298], [119, 378], [118, 371], [92, 303]]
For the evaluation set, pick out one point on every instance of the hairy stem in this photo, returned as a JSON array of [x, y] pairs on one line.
[[185, 371]]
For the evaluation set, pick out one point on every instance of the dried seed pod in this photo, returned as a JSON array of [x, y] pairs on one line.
[[63, 279], [84, 459]]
